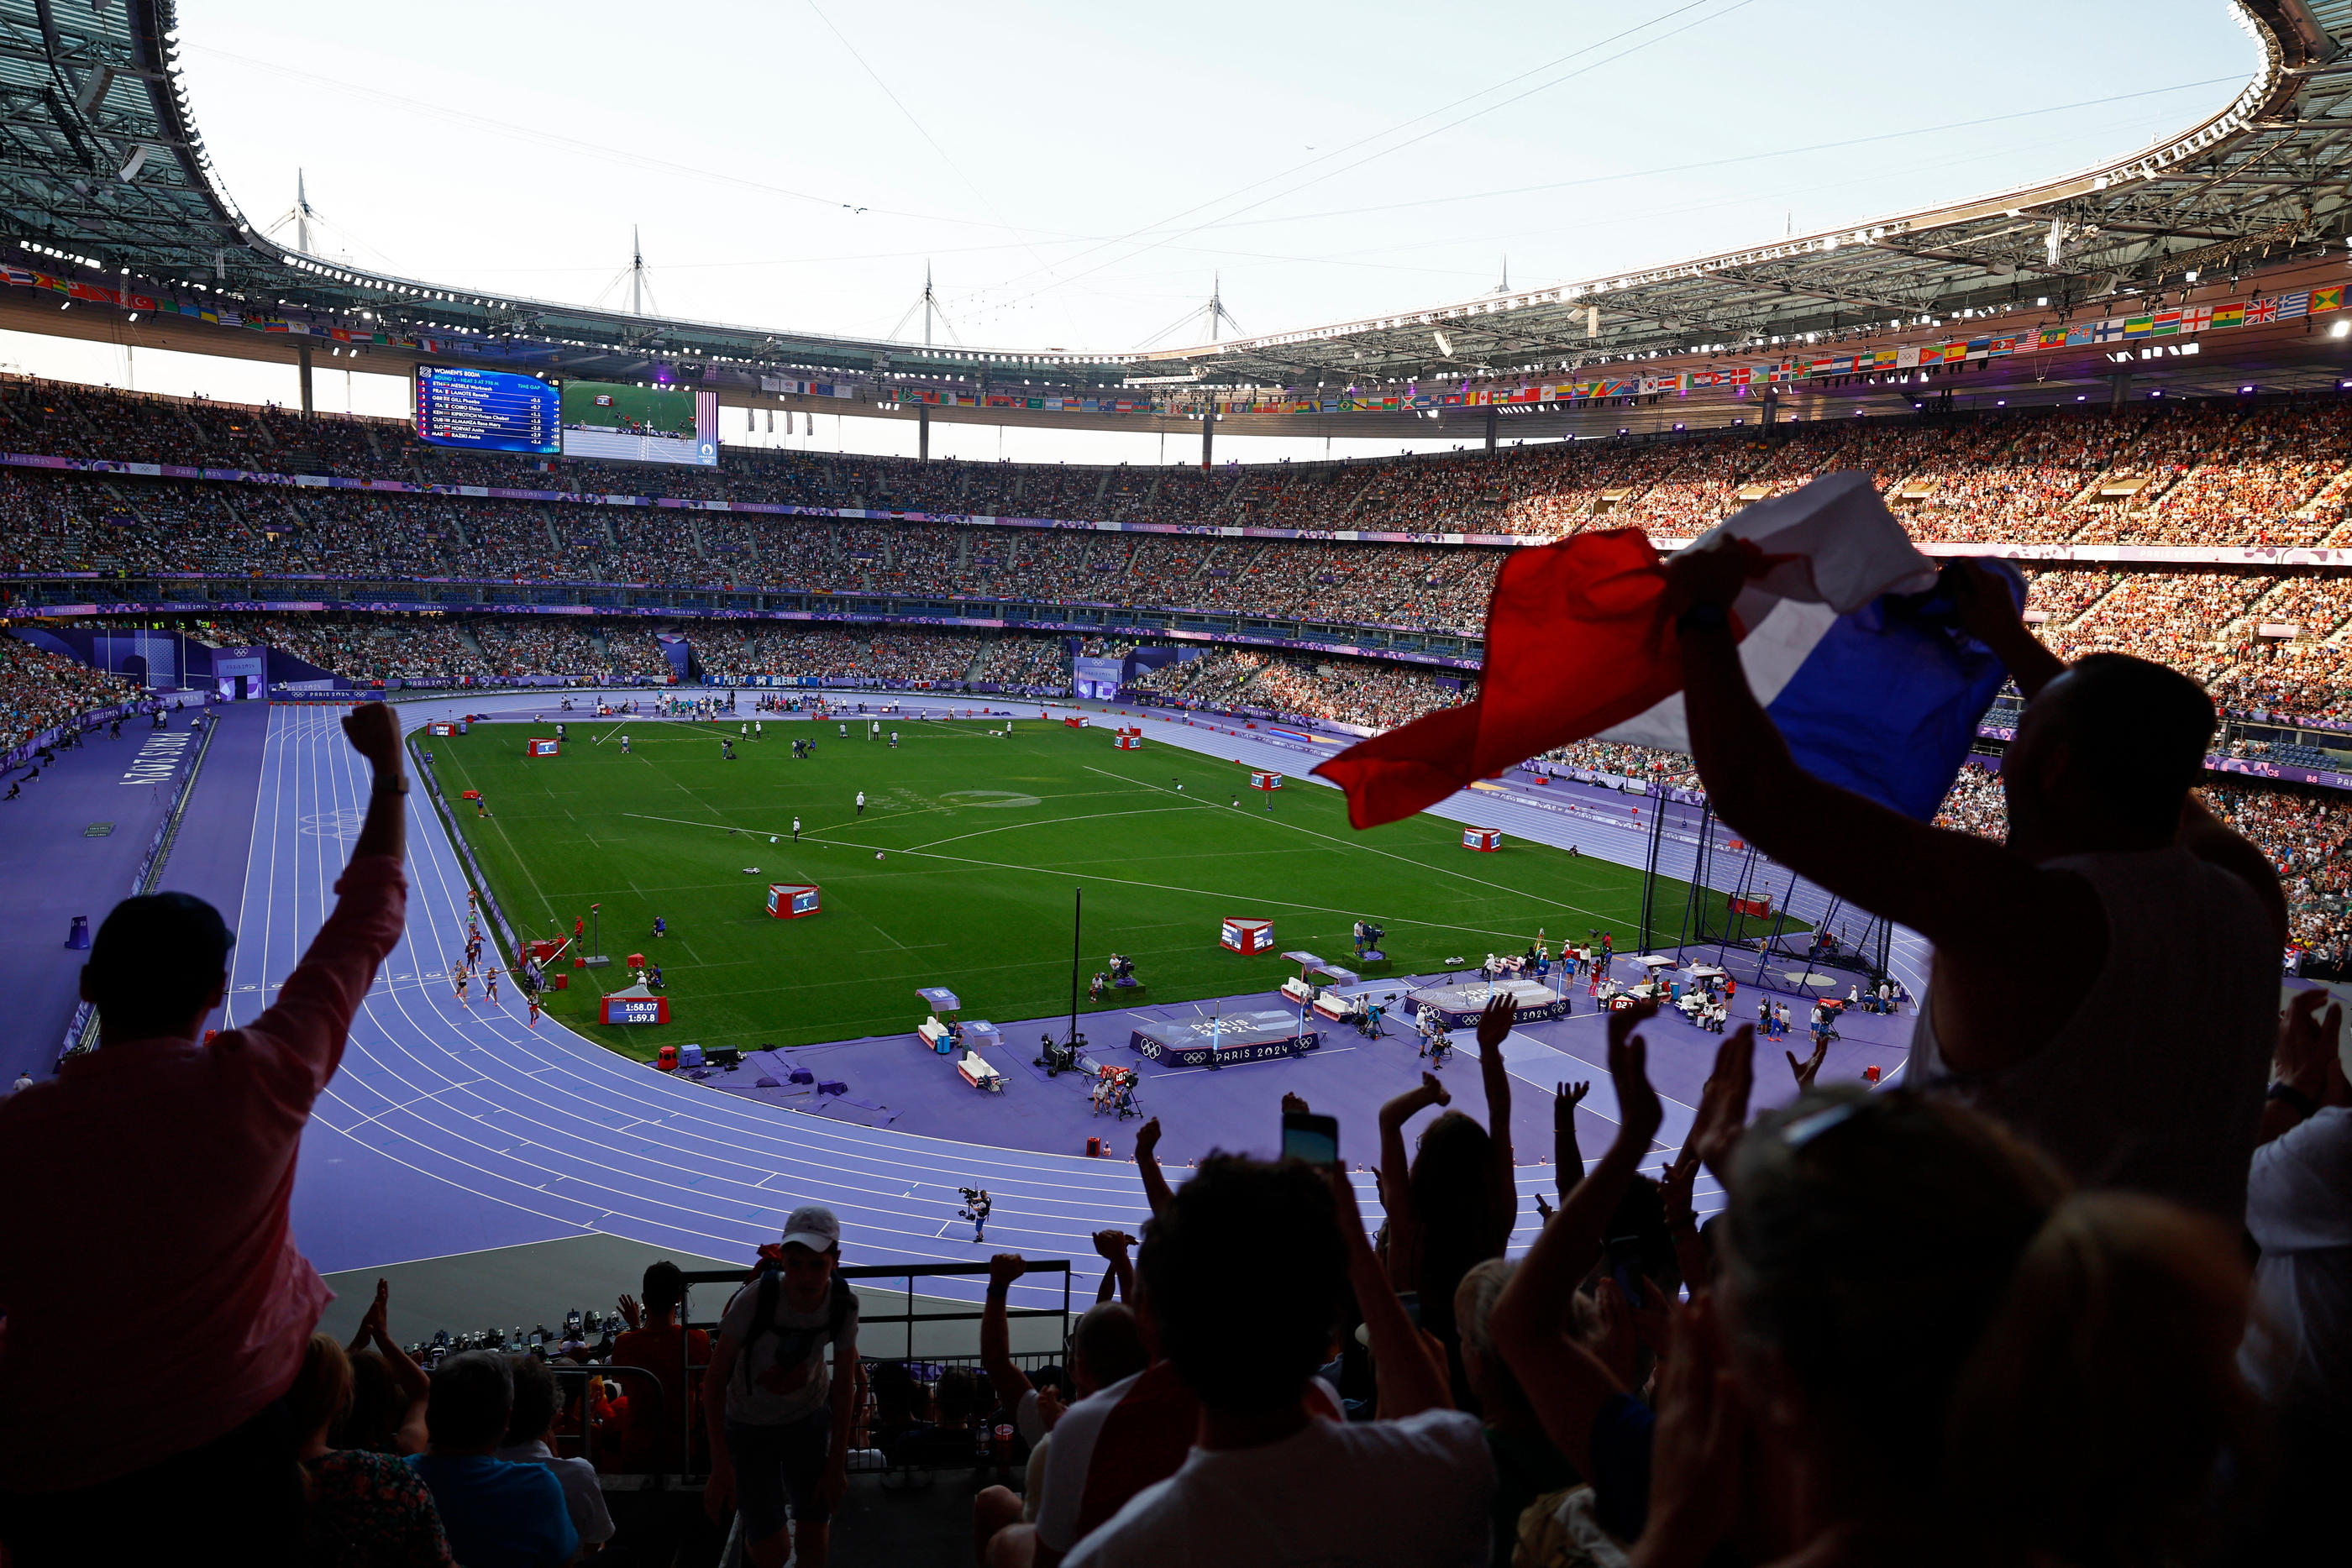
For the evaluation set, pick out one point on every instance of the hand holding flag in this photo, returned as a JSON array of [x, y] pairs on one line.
[[1862, 663]]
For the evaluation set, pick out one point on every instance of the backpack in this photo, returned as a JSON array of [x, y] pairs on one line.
[[763, 1314]]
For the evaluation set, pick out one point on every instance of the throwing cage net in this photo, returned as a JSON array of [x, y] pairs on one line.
[[1710, 897]]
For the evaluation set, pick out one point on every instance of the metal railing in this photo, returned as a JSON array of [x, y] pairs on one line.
[[679, 1428], [910, 1272]]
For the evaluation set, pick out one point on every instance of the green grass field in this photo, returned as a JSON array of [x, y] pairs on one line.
[[984, 840]]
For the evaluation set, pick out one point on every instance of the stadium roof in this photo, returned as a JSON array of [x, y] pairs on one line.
[[102, 169], [2257, 181]]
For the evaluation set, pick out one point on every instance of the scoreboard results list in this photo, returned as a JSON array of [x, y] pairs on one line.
[[489, 410]]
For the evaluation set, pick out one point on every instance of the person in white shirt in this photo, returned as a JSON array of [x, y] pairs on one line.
[[2297, 1353], [1245, 1271], [530, 1431]]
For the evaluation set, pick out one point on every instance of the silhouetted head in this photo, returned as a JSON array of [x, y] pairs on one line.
[[1245, 1274], [2105, 757], [159, 964]]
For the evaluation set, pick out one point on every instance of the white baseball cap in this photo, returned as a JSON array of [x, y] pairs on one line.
[[814, 1228]]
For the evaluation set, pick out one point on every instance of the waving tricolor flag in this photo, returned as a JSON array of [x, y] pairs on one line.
[[1846, 642]]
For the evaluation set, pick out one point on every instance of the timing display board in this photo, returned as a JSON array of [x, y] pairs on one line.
[[486, 411], [633, 1010], [662, 423]]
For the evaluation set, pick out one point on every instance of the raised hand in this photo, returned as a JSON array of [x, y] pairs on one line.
[[1434, 1090], [1806, 1068], [1495, 1021], [1147, 1138], [1982, 600], [1696, 1448], [631, 1313], [1639, 1113], [1293, 1104], [374, 734], [2306, 1042], [1674, 1184], [376, 1325], [1710, 573], [1723, 1104], [1566, 1099], [1005, 1268], [1654, 1318], [1112, 1245]]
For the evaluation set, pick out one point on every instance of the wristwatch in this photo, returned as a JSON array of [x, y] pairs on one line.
[[398, 784], [2303, 1104]]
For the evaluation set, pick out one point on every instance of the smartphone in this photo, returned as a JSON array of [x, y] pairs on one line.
[[1625, 1267], [1312, 1138], [1410, 1302]]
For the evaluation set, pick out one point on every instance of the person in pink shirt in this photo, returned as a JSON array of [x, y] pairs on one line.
[[156, 1172]]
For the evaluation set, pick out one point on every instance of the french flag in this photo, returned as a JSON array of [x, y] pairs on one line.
[[1847, 640]]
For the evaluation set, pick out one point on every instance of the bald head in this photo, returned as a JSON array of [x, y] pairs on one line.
[[2106, 754]]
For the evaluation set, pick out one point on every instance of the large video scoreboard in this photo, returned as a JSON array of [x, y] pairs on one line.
[[489, 410], [665, 423]]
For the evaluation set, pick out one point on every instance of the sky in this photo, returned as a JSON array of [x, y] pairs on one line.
[[1082, 177]]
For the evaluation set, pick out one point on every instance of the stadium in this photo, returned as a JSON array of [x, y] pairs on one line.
[[939, 850]]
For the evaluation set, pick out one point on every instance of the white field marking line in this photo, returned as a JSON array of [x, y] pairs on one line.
[[1370, 849], [1471, 1050], [263, 798], [404, 1105], [1029, 1166], [610, 733], [1050, 822], [521, 861], [1112, 881], [1195, 741], [600, 1131], [1172, 887]]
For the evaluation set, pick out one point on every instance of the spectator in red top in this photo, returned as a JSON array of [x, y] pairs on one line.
[[189, 1439], [675, 1356]]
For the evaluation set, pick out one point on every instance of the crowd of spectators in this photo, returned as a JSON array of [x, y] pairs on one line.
[[2213, 475], [2268, 473], [1621, 760], [2182, 619], [2075, 1291], [40, 690], [2209, 474], [1367, 694]]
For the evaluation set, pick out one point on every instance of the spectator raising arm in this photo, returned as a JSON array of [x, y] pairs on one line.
[[1565, 1152], [220, 1302], [1566, 1383], [1976, 901], [1494, 1028], [1113, 1245], [374, 1333], [1012, 1384], [1156, 1190], [1674, 1184], [1409, 1368], [1396, 1178]]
